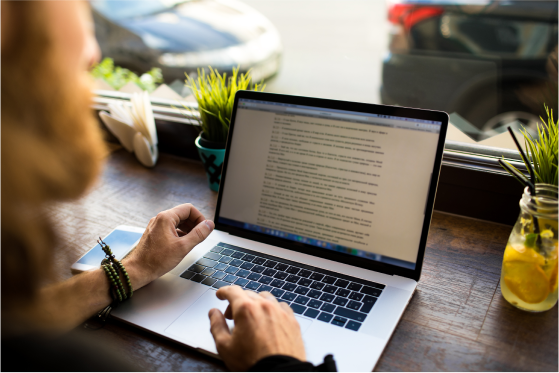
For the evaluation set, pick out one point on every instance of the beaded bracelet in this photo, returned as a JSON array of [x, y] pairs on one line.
[[115, 266]]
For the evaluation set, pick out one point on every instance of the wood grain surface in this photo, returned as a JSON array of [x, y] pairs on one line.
[[457, 319]]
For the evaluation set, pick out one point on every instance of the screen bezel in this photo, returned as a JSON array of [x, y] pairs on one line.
[[432, 115]]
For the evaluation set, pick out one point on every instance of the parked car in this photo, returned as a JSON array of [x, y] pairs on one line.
[[492, 62], [181, 36]]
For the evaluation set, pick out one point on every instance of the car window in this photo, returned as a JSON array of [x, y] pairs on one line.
[[124, 9]]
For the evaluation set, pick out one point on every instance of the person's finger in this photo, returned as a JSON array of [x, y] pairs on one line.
[[229, 313], [180, 232], [185, 212], [268, 296], [231, 293], [219, 328], [286, 307], [198, 234]]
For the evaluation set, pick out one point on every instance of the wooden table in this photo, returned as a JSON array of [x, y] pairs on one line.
[[456, 321]]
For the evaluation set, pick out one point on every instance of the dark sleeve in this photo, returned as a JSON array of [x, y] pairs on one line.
[[282, 363]]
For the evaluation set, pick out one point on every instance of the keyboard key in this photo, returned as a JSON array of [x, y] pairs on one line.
[[227, 252], [326, 317], [277, 292], [265, 288], [312, 313], [206, 262], [270, 263], [236, 262], [305, 282], [328, 307], [254, 276], [289, 286], [277, 283], [219, 275], [212, 256], [220, 284], [339, 321], [198, 278], [237, 255], [369, 299], [302, 290], [230, 278], [258, 269], [196, 268], [225, 259], [221, 266], [350, 314], [302, 300], [355, 286], [305, 273], [208, 271], [248, 257], [327, 297], [292, 278], [371, 291], [259, 261], [209, 281], [355, 296], [292, 270], [297, 308], [316, 276], [188, 274], [269, 272], [329, 280], [354, 305], [317, 285], [252, 285], [341, 283], [340, 301], [315, 303], [330, 289], [288, 296], [353, 325], [281, 275], [342, 292], [282, 267], [243, 273], [247, 265], [231, 270], [368, 304], [242, 282], [314, 294], [216, 249], [265, 280]]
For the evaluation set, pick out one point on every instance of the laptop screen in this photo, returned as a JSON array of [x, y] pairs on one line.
[[351, 182]]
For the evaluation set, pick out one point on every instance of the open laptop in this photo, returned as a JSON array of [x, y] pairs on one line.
[[326, 204]]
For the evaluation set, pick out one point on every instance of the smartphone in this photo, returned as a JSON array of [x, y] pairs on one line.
[[121, 241]]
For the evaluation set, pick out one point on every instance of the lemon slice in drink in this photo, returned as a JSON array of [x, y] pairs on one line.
[[524, 254], [527, 281]]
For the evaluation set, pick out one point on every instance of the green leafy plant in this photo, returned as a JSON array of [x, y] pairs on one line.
[[541, 152], [117, 77], [215, 94]]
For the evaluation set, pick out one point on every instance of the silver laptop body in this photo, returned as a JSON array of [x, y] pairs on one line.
[[326, 204]]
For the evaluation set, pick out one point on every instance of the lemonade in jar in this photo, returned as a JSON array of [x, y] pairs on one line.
[[529, 272]]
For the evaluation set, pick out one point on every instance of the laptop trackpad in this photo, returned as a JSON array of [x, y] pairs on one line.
[[193, 326]]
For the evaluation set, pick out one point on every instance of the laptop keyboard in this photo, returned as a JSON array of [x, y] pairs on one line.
[[312, 292]]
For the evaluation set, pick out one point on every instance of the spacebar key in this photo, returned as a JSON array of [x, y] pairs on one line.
[[350, 314]]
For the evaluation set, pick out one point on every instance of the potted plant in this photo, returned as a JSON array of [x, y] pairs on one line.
[[529, 271], [215, 94]]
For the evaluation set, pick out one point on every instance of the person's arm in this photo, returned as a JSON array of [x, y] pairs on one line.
[[266, 337], [168, 238]]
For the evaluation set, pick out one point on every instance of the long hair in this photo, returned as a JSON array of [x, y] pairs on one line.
[[51, 148]]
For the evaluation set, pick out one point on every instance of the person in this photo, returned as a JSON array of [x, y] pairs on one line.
[[52, 151]]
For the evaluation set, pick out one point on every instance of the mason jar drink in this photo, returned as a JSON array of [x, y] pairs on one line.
[[529, 272]]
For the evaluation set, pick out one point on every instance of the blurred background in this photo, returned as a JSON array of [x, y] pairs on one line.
[[489, 64]]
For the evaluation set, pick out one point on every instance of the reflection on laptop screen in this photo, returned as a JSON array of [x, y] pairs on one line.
[[351, 182]]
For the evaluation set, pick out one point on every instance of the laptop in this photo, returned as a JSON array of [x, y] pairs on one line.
[[326, 204]]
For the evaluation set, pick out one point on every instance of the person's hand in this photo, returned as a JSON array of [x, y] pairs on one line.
[[168, 238], [263, 327]]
